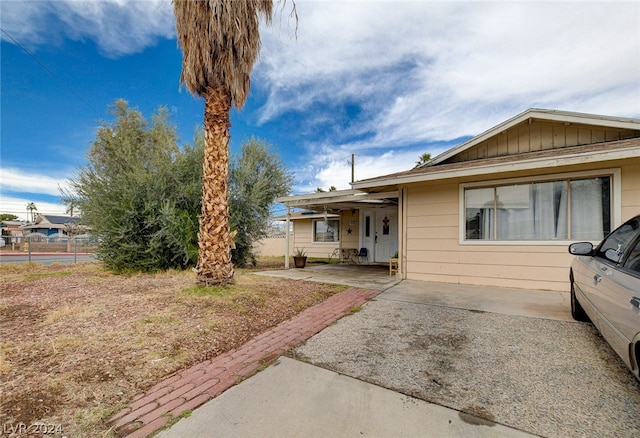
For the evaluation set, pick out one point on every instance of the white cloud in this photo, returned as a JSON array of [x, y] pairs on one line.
[[31, 186], [118, 27], [16, 180], [422, 72], [335, 168], [17, 206], [438, 70]]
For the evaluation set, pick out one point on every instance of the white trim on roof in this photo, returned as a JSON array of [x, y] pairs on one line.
[[539, 114], [314, 216]]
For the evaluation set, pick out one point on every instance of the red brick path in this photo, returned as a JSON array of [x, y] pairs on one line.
[[190, 388]]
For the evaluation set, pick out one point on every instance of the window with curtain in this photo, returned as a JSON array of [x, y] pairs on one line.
[[567, 209], [326, 231]]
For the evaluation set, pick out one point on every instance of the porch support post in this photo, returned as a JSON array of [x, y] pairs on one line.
[[286, 238], [402, 228]]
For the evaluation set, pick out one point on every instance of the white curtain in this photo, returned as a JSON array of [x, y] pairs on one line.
[[586, 209], [480, 217], [538, 211], [488, 223], [533, 211], [562, 225], [515, 212]]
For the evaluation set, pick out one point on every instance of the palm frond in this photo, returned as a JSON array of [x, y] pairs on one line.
[[220, 41]]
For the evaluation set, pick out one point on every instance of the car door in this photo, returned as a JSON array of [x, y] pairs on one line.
[[615, 286], [630, 325]]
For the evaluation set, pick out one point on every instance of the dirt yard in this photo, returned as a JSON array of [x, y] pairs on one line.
[[77, 343]]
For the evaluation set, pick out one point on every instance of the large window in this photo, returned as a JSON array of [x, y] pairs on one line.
[[326, 231], [563, 209]]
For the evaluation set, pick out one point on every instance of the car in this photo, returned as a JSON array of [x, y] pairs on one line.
[[605, 289]]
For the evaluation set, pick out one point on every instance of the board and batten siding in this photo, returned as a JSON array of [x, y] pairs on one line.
[[434, 251], [541, 135]]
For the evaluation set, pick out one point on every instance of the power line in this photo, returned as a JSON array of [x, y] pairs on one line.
[[67, 86]]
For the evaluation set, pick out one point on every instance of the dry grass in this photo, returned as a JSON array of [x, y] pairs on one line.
[[78, 343]]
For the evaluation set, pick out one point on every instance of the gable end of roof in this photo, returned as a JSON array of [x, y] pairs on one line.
[[540, 115]]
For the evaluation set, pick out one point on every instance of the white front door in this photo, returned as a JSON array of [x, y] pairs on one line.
[[386, 235], [380, 233]]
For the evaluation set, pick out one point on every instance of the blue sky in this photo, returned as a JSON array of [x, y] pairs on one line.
[[386, 81]]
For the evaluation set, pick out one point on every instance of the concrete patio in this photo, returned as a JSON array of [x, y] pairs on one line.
[[365, 276]]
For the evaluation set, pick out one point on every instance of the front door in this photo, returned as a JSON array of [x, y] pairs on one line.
[[386, 235], [380, 233]]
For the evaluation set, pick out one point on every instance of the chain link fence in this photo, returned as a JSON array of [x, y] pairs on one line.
[[41, 243]]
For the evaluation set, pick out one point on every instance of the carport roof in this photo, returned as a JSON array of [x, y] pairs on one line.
[[307, 214], [340, 200]]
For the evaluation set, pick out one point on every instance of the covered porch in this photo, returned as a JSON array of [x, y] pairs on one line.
[[349, 226], [374, 277]]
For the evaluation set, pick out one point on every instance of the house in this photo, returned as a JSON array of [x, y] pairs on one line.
[[11, 233], [496, 210], [51, 225]]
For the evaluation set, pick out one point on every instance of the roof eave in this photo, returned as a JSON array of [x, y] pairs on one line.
[[318, 197], [527, 164]]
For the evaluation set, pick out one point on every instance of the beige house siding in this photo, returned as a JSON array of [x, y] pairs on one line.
[[350, 221], [541, 135], [434, 251], [630, 188], [302, 236]]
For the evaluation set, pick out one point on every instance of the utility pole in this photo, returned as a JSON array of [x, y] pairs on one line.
[[353, 165]]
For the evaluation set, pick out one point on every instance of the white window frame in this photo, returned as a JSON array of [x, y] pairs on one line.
[[616, 207], [313, 232]]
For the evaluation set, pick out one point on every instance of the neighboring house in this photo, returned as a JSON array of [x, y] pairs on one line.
[[11, 231], [499, 209], [51, 225]]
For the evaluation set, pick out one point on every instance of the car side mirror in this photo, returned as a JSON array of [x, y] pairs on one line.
[[581, 248]]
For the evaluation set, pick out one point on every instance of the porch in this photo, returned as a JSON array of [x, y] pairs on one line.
[[348, 226], [373, 276]]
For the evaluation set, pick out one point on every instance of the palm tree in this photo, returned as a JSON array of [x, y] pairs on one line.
[[31, 207], [220, 41], [423, 159]]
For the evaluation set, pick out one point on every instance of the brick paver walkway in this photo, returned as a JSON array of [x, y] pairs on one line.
[[190, 388]]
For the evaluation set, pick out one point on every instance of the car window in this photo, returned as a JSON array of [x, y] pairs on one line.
[[612, 248], [633, 260]]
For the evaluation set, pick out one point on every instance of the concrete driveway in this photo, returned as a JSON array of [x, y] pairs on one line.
[[433, 359]]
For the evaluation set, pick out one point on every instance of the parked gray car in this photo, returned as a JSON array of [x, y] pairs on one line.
[[605, 289]]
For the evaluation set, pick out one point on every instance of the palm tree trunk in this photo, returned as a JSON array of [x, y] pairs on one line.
[[215, 240]]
